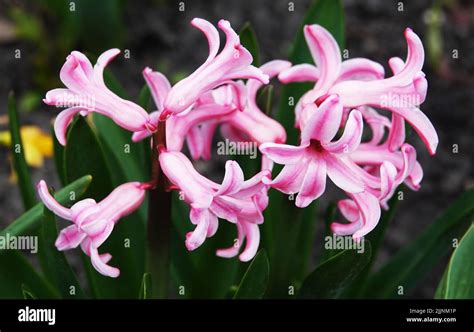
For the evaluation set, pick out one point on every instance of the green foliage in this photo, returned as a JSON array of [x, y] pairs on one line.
[[254, 283]]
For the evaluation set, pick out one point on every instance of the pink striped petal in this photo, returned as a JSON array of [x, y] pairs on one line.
[[233, 179], [361, 69], [351, 137], [235, 248], [299, 73], [282, 153], [69, 238], [158, 84], [342, 175], [195, 239], [252, 239], [314, 183], [370, 211], [388, 183], [324, 121], [326, 54]]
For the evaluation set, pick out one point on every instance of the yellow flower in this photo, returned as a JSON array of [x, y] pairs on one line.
[[36, 144]]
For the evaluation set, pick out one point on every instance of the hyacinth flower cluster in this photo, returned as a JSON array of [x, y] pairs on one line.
[[333, 119]]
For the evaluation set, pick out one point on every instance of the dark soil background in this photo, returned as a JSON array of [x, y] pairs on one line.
[[159, 35]]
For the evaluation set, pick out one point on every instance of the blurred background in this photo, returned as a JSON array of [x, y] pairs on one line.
[[36, 37]]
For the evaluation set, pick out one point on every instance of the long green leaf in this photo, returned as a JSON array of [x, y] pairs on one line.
[[145, 288], [413, 262], [16, 272], [248, 38], [31, 219], [19, 162], [55, 266], [330, 279], [458, 280], [255, 280]]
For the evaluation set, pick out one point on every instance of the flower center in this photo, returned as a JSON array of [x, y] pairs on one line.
[[316, 146]]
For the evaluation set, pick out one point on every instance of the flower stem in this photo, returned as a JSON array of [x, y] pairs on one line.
[[159, 220]]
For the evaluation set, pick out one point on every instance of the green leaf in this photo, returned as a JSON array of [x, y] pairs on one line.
[[31, 219], [144, 98], [414, 261], [458, 280], [248, 39], [19, 162], [55, 266], [16, 272], [330, 279], [27, 293], [59, 158], [145, 288], [84, 154], [255, 280]]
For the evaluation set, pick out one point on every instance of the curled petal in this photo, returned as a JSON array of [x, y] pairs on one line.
[[351, 137], [158, 84], [211, 34], [100, 263], [51, 202], [324, 121], [199, 217], [299, 73], [233, 179], [326, 54], [361, 69], [235, 248], [252, 235], [349, 209], [388, 183], [62, 122], [370, 212]]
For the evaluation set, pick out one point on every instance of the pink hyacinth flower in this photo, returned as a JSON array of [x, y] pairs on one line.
[[235, 200], [233, 62], [233, 106], [93, 222], [86, 92], [317, 156], [360, 82]]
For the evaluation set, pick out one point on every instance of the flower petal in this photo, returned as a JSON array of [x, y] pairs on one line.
[[299, 73], [158, 84], [252, 235], [233, 179], [351, 137], [51, 203], [69, 238], [326, 54], [195, 239], [342, 175], [62, 122], [282, 153], [99, 263], [324, 122], [314, 183]]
